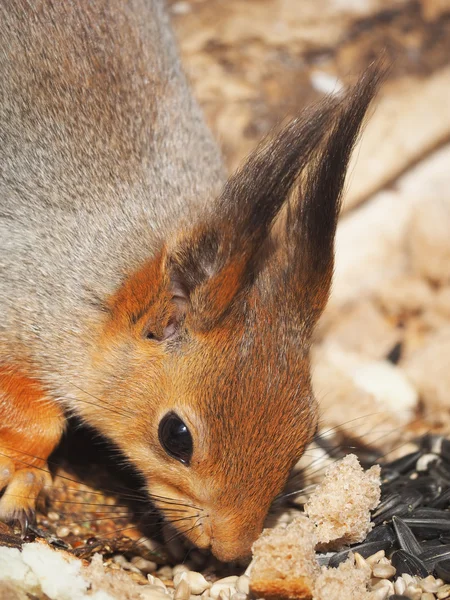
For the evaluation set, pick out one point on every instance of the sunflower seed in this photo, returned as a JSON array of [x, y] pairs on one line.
[[405, 562], [365, 550], [398, 510], [382, 532], [406, 537], [442, 501], [442, 570], [440, 524], [405, 463], [433, 555], [425, 461], [445, 450], [387, 504]]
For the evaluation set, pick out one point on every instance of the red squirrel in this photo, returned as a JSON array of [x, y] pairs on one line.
[[168, 307]]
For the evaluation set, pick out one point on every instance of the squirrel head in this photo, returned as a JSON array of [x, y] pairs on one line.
[[205, 348]]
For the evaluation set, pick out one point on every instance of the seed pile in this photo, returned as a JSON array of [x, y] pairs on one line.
[[408, 550], [406, 555]]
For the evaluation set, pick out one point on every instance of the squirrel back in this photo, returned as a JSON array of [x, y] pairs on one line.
[[170, 309]]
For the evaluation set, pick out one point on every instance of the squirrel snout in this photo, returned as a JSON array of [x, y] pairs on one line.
[[231, 539]]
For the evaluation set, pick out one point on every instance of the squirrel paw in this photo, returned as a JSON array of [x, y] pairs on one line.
[[20, 489]]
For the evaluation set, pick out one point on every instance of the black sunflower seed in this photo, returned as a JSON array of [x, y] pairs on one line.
[[445, 450], [382, 533], [405, 463], [427, 486], [440, 471], [398, 597], [433, 555], [443, 500], [405, 562], [366, 549], [428, 512], [398, 510], [431, 443], [442, 570], [387, 503], [413, 498], [406, 537], [388, 476]]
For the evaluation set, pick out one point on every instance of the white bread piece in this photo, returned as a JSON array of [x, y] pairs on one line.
[[340, 505], [284, 566], [346, 582]]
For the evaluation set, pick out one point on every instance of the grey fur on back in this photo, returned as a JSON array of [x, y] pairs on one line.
[[102, 152]]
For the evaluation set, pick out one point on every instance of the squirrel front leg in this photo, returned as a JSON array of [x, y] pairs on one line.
[[31, 426]]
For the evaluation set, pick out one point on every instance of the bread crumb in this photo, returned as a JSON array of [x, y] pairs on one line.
[[343, 583], [340, 505], [284, 564]]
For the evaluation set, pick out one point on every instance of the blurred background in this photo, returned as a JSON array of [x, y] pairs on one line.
[[382, 352]]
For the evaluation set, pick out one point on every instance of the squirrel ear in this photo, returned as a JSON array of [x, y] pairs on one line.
[[218, 260], [312, 217]]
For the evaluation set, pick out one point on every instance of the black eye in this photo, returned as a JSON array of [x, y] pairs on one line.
[[175, 438]]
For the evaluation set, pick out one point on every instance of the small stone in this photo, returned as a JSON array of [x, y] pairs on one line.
[[196, 581], [149, 593], [156, 582], [62, 532], [221, 585], [443, 591], [399, 586], [180, 569], [375, 558], [383, 571], [429, 584], [165, 572], [182, 591], [53, 516], [243, 584], [428, 239], [380, 594], [413, 592], [144, 565], [76, 530]]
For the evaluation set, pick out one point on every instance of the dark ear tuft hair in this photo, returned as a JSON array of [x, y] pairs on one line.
[[313, 151]]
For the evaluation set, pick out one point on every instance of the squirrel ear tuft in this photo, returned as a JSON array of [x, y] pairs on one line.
[[218, 260]]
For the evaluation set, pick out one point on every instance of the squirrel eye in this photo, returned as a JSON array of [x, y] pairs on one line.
[[175, 438]]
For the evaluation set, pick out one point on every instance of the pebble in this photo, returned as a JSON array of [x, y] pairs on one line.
[[182, 591], [62, 532], [444, 591], [156, 581], [429, 584], [165, 572], [383, 570], [399, 586], [243, 585], [148, 593], [228, 584], [179, 569], [372, 560], [144, 565], [196, 581], [362, 564], [413, 592], [53, 516], [76, 530]]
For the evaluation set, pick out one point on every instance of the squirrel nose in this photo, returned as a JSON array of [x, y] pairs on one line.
[[231, 540]]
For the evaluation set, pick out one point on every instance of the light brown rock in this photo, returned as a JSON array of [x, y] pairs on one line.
[[429, 239], [429, 369]]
